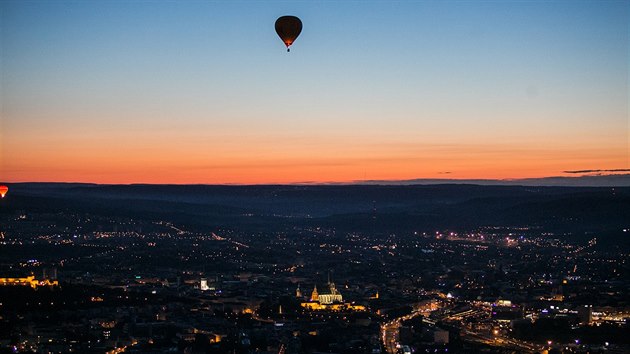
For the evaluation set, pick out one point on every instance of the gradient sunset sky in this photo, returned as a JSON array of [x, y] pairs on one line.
[[205, 92]]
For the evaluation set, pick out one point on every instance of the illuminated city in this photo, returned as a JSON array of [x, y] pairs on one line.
[[367, 277]]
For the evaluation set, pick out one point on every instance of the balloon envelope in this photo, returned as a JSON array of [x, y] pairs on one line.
[[3, 191], [288, 29]]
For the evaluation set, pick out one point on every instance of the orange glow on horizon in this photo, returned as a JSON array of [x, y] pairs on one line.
[[165, 168], [163, 157]]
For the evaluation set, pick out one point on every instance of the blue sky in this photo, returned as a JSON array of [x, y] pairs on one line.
[[372, 80]]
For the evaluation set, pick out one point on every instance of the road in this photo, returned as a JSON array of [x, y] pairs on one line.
[[389, 330]]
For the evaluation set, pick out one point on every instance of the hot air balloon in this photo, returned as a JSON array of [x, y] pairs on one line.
[[3, 191], [288, 29]]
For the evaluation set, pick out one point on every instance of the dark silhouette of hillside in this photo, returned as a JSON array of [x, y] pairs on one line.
[[576, 210]]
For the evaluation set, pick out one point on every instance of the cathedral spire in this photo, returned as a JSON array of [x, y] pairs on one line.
[[314, 294]]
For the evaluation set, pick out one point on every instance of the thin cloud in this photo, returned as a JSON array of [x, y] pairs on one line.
[[596, 171]]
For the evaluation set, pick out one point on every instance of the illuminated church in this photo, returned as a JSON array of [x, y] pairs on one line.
[[332, 296], [329, 300]]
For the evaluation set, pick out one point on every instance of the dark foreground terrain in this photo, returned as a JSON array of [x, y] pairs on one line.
[[305, 269]]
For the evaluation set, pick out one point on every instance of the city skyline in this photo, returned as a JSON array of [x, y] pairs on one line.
[[152, 92]]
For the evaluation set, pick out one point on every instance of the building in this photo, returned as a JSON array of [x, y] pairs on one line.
[[505, 311], [329, 300], [585, 314], [298, 292], [203, 284], [332, 296]]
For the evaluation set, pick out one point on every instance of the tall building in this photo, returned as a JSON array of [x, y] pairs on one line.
[[314, 294], [585, 314], [203, 284]]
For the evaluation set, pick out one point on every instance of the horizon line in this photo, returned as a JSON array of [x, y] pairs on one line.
[[530, 181]]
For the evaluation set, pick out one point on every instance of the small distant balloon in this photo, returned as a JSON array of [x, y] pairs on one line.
[[3, 191], [288, 29]]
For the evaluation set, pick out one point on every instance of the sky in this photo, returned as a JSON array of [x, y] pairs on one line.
[[205, 92]]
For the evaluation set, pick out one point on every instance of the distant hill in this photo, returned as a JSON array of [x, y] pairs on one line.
[[373, 208], [593, 180]]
